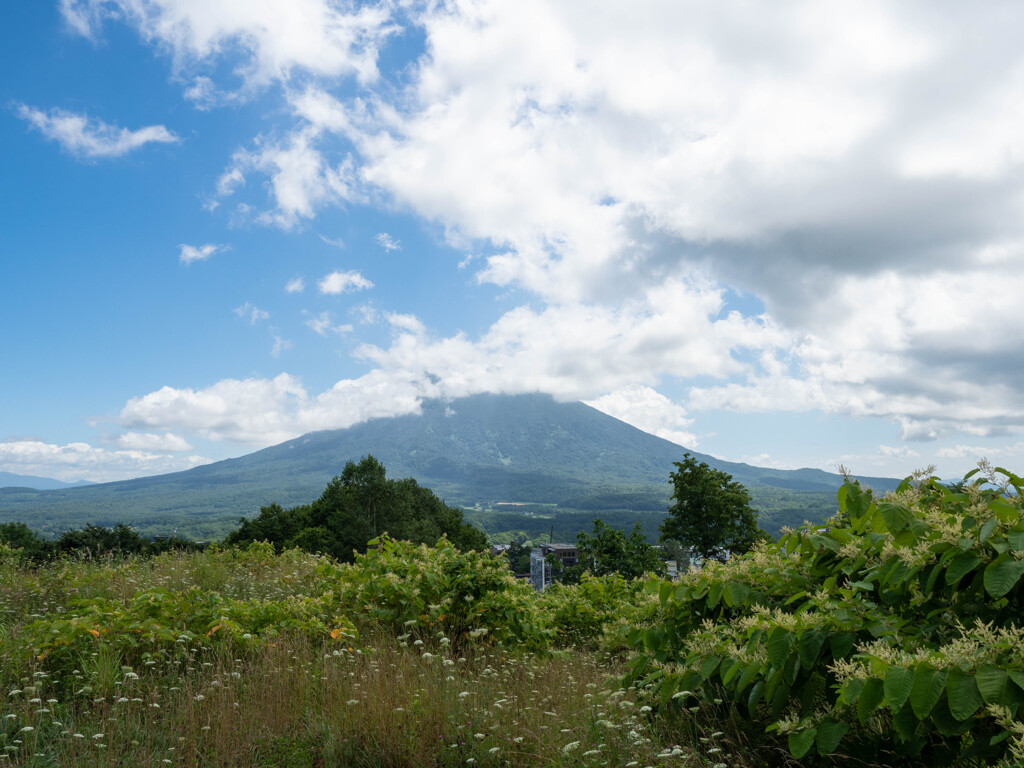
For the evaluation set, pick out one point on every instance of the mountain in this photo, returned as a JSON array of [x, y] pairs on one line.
[[11, 480], [511, 458]]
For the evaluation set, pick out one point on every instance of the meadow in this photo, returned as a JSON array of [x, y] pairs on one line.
[[251, 658], [887, 636]]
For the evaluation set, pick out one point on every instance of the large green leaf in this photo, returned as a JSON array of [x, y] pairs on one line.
[[708, 666], [898, 682], [870, 698], [929, 683], [896, 516], [1016, 537], [736, 593], [830, 733], [962, 694], [780, 641], [905, 723], [800, 742], [842, 644], [993, 684], [811, 642], [962, 564], [1002, 575]]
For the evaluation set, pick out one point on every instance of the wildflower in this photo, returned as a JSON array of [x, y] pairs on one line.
[[591, 752], [27, 729], [352, 702], [480, 736], [570, 747]]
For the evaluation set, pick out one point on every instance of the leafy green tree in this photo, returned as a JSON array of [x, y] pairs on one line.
[[710, 512], [609, 550], [357, 506], [20, 536], [518, 557]]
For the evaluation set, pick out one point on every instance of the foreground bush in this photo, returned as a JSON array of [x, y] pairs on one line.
[[890, 634], [235, 658]]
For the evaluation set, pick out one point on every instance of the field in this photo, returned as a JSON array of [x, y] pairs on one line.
[[132, 662], [888, 636]]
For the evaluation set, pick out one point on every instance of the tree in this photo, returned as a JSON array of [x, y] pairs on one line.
[[609, 551], [359, 505], [710, 513], [518, 557]]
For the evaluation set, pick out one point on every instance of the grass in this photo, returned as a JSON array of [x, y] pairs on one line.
[[299, 700]]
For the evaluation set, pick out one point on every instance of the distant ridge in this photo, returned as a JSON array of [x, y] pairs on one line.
[[472, 451], [11, 480]]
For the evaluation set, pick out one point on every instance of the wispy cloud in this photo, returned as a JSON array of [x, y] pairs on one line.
[[81, 461], [343, 282], [87, 137], [280, 345], [147, 441], [388, 243], [251, 313], [337, 242], [295, 285], [322, 325], [191, 253]]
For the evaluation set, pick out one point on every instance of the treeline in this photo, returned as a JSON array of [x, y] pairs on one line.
[[91, 541]]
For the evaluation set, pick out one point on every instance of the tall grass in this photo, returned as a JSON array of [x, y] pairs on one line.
[[298, 699]]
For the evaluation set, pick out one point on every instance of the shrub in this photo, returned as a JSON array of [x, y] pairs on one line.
[[423, 591], [890, 631]]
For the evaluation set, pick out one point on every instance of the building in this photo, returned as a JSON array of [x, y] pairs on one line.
[[540, 568]]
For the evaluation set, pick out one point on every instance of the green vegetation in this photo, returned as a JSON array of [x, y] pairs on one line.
[[710, 512], [357, 506], [889, 635], [410, 655], [90, 541], [610, 551]]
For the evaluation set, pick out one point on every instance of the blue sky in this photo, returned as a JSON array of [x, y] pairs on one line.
[[791, 237]]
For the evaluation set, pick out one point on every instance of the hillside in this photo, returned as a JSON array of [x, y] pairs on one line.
[[476, 452]]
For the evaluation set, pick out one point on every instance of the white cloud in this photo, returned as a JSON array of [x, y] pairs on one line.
[[191, 253], [319, 37], [388, 243], [405, 323], [301, 180], [322, 325], [676, 328], [280, 345], [343, 282], [854, 166], [650, 411], [266, 411], [251, 313], [295, 285], [230, 181], [337, 242], [92, 138], [147, 441], [81, 461]]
